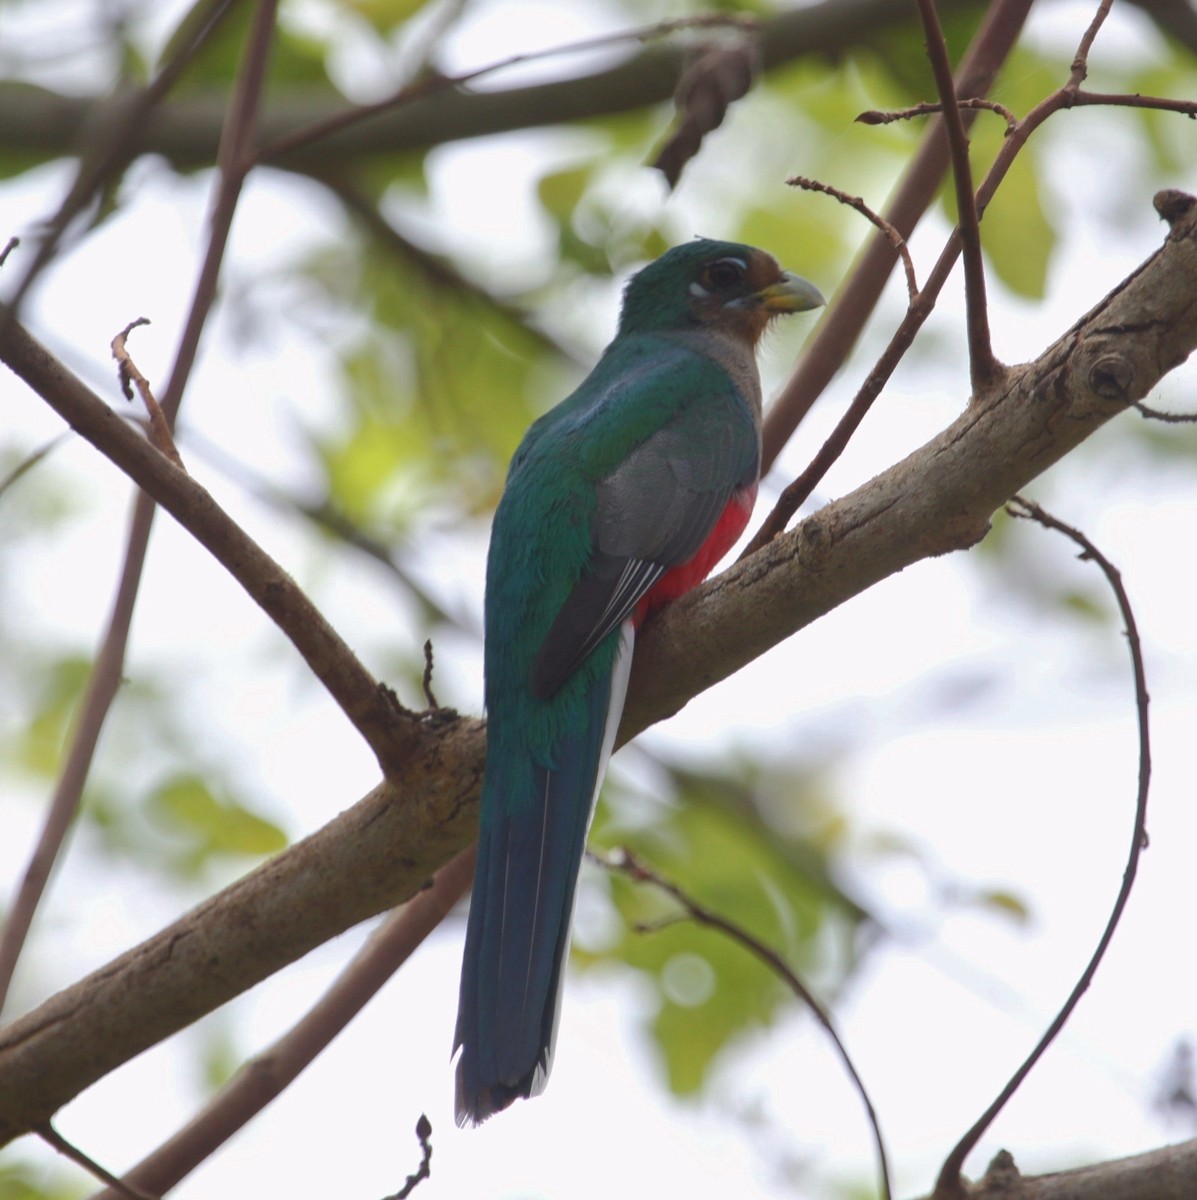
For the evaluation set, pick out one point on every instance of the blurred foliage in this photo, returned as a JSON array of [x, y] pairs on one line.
[[296, 61], [209, 825], [439, 382], [24, 1181], [174, 827], [757, 846], [440, 369]]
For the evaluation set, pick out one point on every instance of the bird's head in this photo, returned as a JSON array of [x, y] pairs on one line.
[[724, 286]]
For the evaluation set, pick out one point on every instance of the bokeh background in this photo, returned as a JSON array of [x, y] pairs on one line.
[[924, 800]]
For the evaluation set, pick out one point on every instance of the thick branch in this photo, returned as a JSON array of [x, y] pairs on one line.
[[938, 499], [187, 131], [1169, 1173], [372, 709], [381, 851]]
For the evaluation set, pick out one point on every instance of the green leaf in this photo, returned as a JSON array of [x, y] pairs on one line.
[[59, 689], [1085, 604], [27, 1181], [1005, 903], [1169, 136], [1015, 232], [440, 386], [385, 15], [560, 192], [718, 839], [209, 825], [295, 60]]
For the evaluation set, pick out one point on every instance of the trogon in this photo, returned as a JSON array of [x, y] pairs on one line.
[[621, 498]]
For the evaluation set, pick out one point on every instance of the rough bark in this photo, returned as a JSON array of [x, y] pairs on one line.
[[381, 851], [1169, 1173]]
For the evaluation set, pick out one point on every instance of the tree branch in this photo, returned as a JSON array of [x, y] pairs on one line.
[[381, 851], [265, 1076], [187, 131], [372, 708], [851, 306], [1169, 1173]]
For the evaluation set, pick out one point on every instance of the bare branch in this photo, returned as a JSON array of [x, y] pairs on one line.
[[234, 159], [106, 673], [874, 116], [186, 132], [950, 1184], [424, 1170], [983, 367], [1154, 414], [119, 1187], [1169, 1173], [817, 365], [371, 708], [110, 129], [629, 864], [97, 700], [857, 202], [850, 308], [435, 83], [380, 852]]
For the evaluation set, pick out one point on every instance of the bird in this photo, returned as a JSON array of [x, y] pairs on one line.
[[621, 498]]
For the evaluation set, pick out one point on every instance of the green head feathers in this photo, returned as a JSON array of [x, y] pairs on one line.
[[709, 283]]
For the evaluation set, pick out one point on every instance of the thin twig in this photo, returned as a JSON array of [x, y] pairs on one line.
[[857, 202], [949, 1183], [429, 695], [120, 1187], [842, 321], [813, 373], [326, 518], [233, 161], [1154, 414], [984, 369], [929, 108], [31, 460], [424, 1170], [629, 864], [1081, 99], [1080, 61], [102, 687], [129, 375], [372, 709]]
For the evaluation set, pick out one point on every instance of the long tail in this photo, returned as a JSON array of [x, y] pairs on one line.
[[528, 859]]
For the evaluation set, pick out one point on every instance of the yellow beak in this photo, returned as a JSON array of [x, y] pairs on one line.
[[791, 294]]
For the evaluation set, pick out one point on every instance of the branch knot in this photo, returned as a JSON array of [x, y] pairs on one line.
[[1111, 378]]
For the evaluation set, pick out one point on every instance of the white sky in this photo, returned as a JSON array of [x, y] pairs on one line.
[[1028, 786]]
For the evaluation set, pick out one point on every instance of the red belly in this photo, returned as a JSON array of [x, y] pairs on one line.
[[681, 579]]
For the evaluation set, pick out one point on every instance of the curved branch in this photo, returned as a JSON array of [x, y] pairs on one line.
[[187, 131], [378, 853]]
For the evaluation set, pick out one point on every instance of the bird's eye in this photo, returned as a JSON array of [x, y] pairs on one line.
[[724, 274]]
